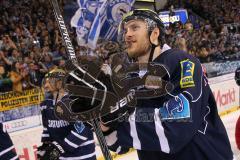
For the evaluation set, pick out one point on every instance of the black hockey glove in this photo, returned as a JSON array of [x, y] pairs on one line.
[[78, 105], [149, 80], [109, 96], [49, 151], [41, 150]]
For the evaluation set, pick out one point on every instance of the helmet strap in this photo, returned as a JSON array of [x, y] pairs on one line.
[[150, 59], [56, 99]]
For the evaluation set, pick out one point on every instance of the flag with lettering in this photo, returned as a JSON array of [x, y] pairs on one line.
[[99, 19]]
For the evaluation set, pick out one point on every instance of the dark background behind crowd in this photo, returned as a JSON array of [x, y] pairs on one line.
[[31, 45]]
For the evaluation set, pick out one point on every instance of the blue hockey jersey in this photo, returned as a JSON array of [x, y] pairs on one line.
[[184, 124], [75, 138], [7, 150]]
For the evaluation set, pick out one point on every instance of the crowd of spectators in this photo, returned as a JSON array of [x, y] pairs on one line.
[[31, 45], [212, 35], [216, 11]]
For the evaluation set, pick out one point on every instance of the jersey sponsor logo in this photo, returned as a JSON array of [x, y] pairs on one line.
[[176, 108], [187, 71], [57, 123]]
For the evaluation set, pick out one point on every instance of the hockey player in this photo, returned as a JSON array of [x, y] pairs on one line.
[[237, 130], [62, 139], [184, 124], [7, 150], [237, 76]]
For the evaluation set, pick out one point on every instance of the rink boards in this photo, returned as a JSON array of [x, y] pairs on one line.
[[26, 132]]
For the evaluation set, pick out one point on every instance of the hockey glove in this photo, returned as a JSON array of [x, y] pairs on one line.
[[41, 150], [119, 113], [49, 151]]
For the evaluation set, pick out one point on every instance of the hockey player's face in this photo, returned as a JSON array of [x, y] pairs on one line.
[[136, 38], [51, 85]]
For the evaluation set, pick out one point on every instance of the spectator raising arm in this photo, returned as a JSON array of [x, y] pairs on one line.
[[5, 59]]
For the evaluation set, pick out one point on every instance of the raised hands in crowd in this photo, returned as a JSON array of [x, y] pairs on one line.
[[32, 33]]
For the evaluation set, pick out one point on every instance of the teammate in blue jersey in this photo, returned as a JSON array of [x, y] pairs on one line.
[[7, 150], [61, 139], [183, 124]]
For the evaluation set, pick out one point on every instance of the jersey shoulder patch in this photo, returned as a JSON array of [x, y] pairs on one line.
[[175, 108], [187, 72]]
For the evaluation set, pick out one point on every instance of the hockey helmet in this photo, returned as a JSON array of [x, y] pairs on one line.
[[150, 17]]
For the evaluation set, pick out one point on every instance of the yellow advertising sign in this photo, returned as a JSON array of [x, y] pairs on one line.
[[13, 100]]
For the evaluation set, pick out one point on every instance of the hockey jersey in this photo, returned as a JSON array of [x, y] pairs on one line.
[[7, 150], [75, 138], [182, 125]]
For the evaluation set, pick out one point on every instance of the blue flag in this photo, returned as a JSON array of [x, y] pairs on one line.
[[99, 19]]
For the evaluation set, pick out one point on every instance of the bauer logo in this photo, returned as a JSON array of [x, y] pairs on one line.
[[124, 101]]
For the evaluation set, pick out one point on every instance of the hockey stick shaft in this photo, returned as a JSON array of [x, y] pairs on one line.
[[63, 30], [72, 56], [71, 52]]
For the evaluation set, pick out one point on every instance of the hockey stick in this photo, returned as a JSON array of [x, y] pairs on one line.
[[75, 66]]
